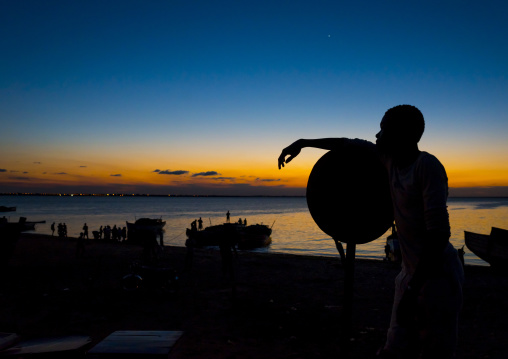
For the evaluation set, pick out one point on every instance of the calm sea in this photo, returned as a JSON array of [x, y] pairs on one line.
[[294, 231]]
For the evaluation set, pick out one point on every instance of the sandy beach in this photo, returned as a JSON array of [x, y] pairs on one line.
[[285, 306]]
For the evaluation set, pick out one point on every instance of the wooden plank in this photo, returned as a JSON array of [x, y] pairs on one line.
[[136, 343], [8, 339], [49, 345]]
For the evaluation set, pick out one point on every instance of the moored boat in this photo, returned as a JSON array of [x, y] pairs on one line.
[[9, 236], [492, 248], [211, 236], [255, 236], [23, 224], [144, 226], [30, 225], [392, 247], [244, 237]]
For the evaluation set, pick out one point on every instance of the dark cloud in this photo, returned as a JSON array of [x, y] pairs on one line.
[[224, 178], [61, 173], [206, 174], [20, 178], [157, 170], [83, 166], [493, 191], [268, 179], [25, 172], [37, 163], [3, 170], [176, 173], [116, 175]]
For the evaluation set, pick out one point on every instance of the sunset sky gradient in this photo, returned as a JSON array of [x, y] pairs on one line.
[[199, 97]]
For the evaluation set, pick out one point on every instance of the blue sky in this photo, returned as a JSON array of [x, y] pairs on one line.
[[224, 85]]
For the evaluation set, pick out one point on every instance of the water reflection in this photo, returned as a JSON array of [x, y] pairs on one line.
[[294, 230]]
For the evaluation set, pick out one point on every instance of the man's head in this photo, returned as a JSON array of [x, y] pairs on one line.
[[401, 129]]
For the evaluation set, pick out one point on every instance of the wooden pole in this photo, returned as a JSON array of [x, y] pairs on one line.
[[349, 289]]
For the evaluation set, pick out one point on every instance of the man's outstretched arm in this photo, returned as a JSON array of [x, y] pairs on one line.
[[294, 149]]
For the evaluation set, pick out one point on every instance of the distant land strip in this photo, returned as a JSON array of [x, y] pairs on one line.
[[188, 195], [132, 195]]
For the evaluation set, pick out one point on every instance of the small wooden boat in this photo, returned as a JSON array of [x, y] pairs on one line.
[[9, 236], [244, 237], [492, 248], [255, 236], [7, 209], [392, 247], [143, 226], [23, 224], [30, 225]]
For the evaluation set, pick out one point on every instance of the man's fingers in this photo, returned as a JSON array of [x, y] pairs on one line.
[[282, 159], [281, 162], [288, 151]]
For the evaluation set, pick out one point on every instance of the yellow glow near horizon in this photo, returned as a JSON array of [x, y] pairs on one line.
[[83, 165]]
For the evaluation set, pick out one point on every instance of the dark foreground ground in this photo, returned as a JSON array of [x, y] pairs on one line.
[[285, 306]]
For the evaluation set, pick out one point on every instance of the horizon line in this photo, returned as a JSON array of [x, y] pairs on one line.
[[42, 194]]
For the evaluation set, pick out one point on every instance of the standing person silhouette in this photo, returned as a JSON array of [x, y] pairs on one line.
[[85, 231], [428, 290], [228, 217]]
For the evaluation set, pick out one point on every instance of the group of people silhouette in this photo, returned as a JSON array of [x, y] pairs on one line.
[[228, 219], [197, 225], [105, 232], [61, 230], [115, 234]]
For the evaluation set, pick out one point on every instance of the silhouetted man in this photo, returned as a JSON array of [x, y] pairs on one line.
[[85, 231], [428, 290]]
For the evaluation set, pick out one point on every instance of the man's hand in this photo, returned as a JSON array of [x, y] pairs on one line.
[[292, 151]]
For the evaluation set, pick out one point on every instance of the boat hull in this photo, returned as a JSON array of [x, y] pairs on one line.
[[142, 228], [492, 249], [244, 237]]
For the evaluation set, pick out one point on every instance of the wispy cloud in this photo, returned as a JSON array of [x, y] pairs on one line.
[[25, 172], [157, 170], [11, 171], [223, 179], [83, 166], [116, 175], [268, 179], [176, 173], [61, 173], [206, 174], [20, 178], [37, 163]]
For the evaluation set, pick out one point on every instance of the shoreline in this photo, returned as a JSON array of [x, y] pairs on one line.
[[285, 305]]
